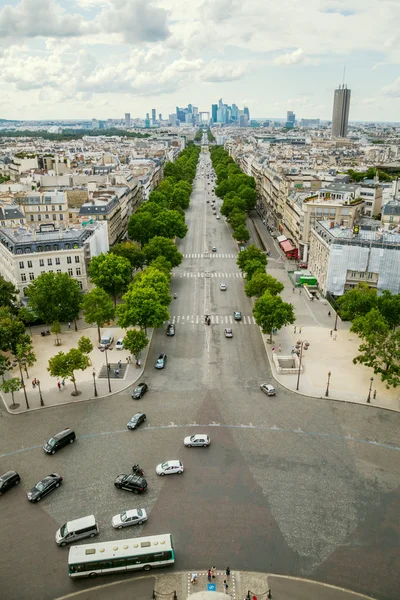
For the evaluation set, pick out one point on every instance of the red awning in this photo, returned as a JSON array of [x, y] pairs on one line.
[[286, 246]]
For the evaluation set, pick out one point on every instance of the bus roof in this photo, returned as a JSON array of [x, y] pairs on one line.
[[120, 548]]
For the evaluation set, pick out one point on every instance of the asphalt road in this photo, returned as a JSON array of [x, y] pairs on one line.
[[289, 485]]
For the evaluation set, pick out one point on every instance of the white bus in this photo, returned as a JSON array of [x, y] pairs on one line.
[[89, 560]]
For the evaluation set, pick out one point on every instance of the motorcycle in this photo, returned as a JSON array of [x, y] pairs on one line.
[[136, 470]]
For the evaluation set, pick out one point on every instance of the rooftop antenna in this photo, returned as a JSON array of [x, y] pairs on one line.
[[344, 74]]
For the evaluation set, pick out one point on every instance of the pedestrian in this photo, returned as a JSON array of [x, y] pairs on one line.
[[228, 572], [334, 337], [293, 290], [193, 578], [109, 367], [119, 364], [293, 350], [269, 595], [374, 396], [225, 587], [213, 572], [33, 384], [273, 349], [69, 325], [209, 574], [59, 385], [300, 329], [295, 329], [279, 348], [299, 292], [116, 372], [330, 333]]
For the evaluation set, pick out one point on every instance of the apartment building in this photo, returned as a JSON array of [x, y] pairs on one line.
[[24, 254], [44, 207], [341, 257]]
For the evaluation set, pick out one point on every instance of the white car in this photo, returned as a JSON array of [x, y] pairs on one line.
[[222, 286], [129, 517], [228, 332], [200, 439], [170, 467], [268, 389], [120, 344]]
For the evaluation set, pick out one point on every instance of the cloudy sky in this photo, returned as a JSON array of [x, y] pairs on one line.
[[102, 58]]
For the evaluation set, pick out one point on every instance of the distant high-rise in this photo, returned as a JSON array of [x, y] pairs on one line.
[[127, 119], [214, 112], [247, 112], [153, 114], [341, 109], [290, 119], [159, 116]]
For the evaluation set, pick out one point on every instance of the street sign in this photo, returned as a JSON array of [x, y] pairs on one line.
[[211, 587]]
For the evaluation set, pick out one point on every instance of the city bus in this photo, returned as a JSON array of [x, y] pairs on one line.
[[89, 560]]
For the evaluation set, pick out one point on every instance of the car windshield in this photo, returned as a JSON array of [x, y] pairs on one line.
[[138, 389], [134, 418], [51, 442], [63, 530], [139, 512], [164, 465], [193, 438], [40, 486], [123, 516]]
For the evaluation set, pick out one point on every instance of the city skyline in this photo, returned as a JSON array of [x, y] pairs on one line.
[[98, 58]]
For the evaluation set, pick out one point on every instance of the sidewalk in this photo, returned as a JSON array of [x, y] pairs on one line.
[[240, 583], [348, 382], [45, 348]]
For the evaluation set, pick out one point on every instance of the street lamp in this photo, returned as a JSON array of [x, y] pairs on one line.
[[370, 388], [23, 383], [94, 382], [327, 385], [299, 346], [336, 318], [108, 369], [40, 392]]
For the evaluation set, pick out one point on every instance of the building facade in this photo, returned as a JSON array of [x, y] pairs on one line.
[[341, 109]]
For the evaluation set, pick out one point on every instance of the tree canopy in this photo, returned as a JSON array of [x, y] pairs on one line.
[[55, 297], [135, 341], [98, 308], [272, 312], [8, 293], [131, 251], [65, 364], [110, 272], [260, 282], [161, 246], [252, 252]]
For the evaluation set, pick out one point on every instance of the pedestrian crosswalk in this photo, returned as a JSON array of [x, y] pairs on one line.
[[234, 275], [215, 320], [209, 255]]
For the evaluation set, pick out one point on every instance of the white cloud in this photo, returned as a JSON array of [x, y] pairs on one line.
[[392, 90], [135, 20], [32, 18], [291, 58], [218, 71]]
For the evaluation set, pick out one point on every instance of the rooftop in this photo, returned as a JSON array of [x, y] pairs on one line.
[[377, 235]]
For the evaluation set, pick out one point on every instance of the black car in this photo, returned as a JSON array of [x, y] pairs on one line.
[[161, 361], [132, 483], [8, 480], [171, 330], [136, 420], [47, 485], [58, 441], [140, 391]]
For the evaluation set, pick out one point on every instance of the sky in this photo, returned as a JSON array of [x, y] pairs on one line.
[[84, 59]]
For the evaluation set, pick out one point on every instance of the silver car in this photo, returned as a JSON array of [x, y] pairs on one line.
[[136, 516], [200, 439]]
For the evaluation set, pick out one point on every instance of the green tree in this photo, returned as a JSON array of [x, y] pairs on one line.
[[357, 302], [156, 280], [241, 234], [141, 226], [166, 187], [10, 386], [389, 307], [161, 246], [382, 353], [237, 217], [111, 273], [252, 267], [131, 251], [85, 346], [141, 307], [252, 252], [27, 317], [55, 297], [8, 293], [162, 264], [135, 341], [64, 365], [260, 283], [159, 198], [231, 204], [180, 198], [170, 224], [56, 329], [98, 308], [271, 312], [25, 355], [5, 366], [12, 330]]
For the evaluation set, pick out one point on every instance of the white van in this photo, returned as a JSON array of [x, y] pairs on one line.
[[76, 530], [106, 339]]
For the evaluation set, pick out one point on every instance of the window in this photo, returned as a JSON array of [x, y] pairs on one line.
[[61, 217], [41, 272], [362, 275], [70, 272], [57, 261], [76, 259], [32, 218], [69, 260], [53, 208], [23, 277], [41, 262], [370, 275], [39, 218], [59, 207], [54, 217], [78, 271], [80, 284], [21, 265], [58, 270], [47, 216], [30, 264], [49, 262], [31, 276]]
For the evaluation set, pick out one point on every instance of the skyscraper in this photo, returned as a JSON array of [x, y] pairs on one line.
[[341, 109], [247, 112], [290, 119], [127, 119], [153, 114], [214, 112]]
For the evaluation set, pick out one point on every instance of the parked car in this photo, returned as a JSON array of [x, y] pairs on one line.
[[268, 389], [218, 217], [59, 440], [199, 439], [171, 329], [120, 344], [228, 332], [136, 420], [9, 480], [140, 391], [136, 516], [222, 286], [170, 468], [161, 361], [237, 315], [214, 249], [44, 487], [303, 265], [131, 483]]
